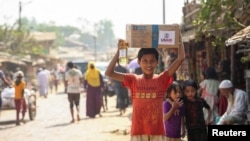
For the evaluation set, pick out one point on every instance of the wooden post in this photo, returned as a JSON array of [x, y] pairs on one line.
[[232, 64]]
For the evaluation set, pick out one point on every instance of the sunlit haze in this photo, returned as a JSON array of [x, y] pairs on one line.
[[77, 12]]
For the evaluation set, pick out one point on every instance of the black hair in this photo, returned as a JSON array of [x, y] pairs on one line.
[[70, 64], [190, 82], [144, 51], [173, 87], [211, 73], [225, 70]]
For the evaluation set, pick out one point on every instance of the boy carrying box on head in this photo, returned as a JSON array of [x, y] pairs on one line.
[[147, 92]]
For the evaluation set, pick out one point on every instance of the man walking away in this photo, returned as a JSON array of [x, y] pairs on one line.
[[73, 81]]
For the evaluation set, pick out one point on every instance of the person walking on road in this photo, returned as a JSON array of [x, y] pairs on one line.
[[93, 83], [42, 79], [55, 79], [20, 102], [73, 81], [121, 91], [147, 92]]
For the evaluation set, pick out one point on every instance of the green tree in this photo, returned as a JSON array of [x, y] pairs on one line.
[[105, 34], [103, 29], [17, 42], [219, 16]]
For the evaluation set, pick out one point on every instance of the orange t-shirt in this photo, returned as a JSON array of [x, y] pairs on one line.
[[18, 89], [147, 97]]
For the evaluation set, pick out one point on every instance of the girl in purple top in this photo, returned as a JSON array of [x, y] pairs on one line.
[[173, 110]]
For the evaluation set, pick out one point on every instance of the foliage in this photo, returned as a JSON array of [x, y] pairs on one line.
[[103, 32], [17, 42], [220, 18], [244, 59], [103, 36], [16, 39]]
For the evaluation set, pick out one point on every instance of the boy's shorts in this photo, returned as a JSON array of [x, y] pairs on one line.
[[148, 138]]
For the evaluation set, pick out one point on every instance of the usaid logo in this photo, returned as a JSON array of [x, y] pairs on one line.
[[166, 37]]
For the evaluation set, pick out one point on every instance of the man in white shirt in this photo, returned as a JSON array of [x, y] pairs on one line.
[[73, 81], [237, 107], [43, 83]]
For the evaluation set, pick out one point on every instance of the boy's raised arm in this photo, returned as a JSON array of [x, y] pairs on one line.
[[181, 56], [110, 71]]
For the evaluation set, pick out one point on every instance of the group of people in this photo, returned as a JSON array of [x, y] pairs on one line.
[[93, 83], [224, 99], [47, 80], [18, 82], [163, 109]]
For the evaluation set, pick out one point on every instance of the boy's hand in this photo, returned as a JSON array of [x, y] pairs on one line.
[[122, 43]]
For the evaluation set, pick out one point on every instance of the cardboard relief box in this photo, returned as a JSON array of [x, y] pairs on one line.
[[152, 36]]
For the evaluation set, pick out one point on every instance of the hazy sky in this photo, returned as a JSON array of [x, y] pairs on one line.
[[120, 12]]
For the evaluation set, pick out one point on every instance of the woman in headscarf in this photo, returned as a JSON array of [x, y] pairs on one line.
[[93, 84]]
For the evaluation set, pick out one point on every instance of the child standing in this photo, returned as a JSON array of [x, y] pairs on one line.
[[147, 92], [209, 88], [195, 122], [20, 102], [173, 110]]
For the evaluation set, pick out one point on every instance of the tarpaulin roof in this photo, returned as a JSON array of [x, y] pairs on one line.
[[239, 36]]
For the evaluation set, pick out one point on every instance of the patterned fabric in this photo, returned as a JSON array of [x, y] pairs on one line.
[[147, 96], [195, 122], [194, 113]]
